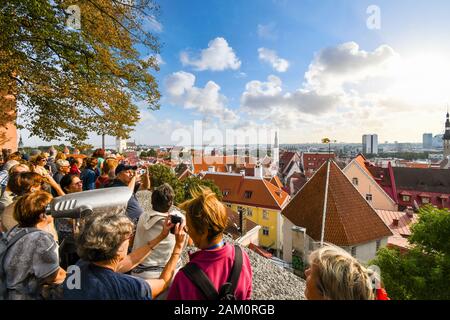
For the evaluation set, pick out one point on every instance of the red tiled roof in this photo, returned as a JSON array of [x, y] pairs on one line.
[[263, 193], [402, 230], [233, 224], [404, 222], [350, 220], [260, 251]]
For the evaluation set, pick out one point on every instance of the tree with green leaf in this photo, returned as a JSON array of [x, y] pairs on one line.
[[152, 153], [424, 271], [160, 174], [68, 81]]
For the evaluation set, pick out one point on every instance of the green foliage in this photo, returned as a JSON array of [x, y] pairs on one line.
[[69, 82], [424, 271], [161, 174], [297, 263], [143, 155], [152, 153], [194, 183]]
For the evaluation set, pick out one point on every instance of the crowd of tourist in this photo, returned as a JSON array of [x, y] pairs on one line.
[[130, 253]]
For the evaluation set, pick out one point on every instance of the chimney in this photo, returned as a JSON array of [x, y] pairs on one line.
[[409, 212], [258, 171], [211, 169], [395, 222]]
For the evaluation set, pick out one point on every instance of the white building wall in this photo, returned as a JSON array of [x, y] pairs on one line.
[[287, 239], [367, 251]]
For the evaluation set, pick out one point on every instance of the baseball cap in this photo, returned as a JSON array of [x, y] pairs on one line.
[[123, 167]]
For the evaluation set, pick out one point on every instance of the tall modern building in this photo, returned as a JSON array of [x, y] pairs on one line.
[[370, 144], [447, 137], [427, 140]]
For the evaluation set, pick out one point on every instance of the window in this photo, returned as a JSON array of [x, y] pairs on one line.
[[240, 210], [368, 197], [249, 212], [425, 200], [353, 251], [309, 159], [265, 231], [311, 163], [314, 159], [355, 181], [248, 194], [378, 245], [406, 198], [228, 205], [265, 215], [225, 192]]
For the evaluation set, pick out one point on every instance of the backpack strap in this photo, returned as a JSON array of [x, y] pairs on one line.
[[11, 242], [204, 284], [237, 268], [200, 280]]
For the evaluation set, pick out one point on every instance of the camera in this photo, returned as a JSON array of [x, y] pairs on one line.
[[141, 171], [175, 219]]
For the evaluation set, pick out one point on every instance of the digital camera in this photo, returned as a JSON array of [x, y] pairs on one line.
[[175, 219]]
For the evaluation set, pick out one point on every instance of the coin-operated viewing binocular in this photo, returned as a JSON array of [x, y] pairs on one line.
[[80, 204]]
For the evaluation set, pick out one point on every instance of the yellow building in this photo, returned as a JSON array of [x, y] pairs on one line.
[[257, 199]]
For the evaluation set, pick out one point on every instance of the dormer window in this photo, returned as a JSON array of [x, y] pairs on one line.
[[355, 181], [225, 192], [248, 194]]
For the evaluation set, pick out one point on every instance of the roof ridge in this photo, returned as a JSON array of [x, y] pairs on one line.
[[371, 178], [267, 188]]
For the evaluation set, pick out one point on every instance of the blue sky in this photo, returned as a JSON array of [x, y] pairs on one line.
[[311, 69]]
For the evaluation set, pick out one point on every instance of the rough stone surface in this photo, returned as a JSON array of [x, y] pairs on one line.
[[270, 281]]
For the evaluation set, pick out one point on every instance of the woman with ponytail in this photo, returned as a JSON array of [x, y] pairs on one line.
[[206, 219]]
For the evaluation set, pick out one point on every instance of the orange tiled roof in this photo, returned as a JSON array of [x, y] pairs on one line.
[[221, 163], [263, 193], [362, 161], [276, 181], [350, 220]]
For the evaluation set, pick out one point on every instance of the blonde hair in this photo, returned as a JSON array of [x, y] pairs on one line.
[[340, 276], [206, 212], [109, 165]]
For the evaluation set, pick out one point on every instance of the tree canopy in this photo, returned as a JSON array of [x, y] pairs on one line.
[[160, 174], [68, 82], [424, 271]]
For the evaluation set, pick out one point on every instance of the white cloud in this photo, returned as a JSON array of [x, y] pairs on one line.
[[267, 31], [348, 91], [150, 23], [268, 98], [218, 56], [207, 101], [270, 56], [335, 67]]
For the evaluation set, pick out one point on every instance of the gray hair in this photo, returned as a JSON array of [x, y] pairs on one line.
[[102, 234]]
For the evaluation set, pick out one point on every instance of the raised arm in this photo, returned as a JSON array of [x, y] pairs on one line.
[[161, 284], [138, 255]]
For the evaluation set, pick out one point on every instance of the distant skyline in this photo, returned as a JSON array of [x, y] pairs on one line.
[[312, 69]]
